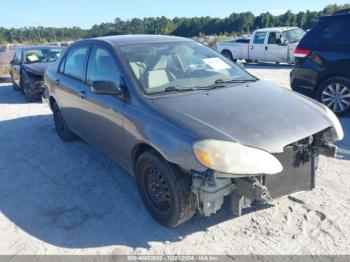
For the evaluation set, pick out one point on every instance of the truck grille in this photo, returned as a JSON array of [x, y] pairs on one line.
[[297, 174]]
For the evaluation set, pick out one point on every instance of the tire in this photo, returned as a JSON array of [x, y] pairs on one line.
[[342, 98], [165, 190], [14, 85], [62, 130], [228, 55]]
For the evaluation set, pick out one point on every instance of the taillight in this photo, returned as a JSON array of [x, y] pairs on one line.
[[301, 52]]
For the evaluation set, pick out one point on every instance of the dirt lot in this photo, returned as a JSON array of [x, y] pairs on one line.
[[68, 198]]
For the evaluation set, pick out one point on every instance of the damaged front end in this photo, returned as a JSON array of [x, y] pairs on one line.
[[299, 161], [34, 86]]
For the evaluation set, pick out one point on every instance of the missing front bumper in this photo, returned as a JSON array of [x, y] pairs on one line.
[[299, 170]]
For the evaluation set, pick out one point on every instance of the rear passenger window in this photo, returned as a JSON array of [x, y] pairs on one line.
[[332, 31], [74, 64], [259, 38], [102, 66]]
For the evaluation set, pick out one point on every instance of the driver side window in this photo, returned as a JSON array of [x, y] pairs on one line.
[[102, 66]]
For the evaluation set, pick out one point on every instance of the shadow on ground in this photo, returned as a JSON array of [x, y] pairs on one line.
[[70, 195], [9, 96]]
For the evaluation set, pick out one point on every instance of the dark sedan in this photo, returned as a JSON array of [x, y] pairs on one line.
[[191, 125], [28, 67]]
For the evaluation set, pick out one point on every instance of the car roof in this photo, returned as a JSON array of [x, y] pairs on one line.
[[342, 12], [118, 40], [35, 47], [279, 29]]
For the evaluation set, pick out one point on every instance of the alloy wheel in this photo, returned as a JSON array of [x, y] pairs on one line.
[[337, 97]]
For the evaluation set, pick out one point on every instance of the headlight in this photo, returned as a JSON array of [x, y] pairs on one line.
[[337, 130], [234, 158]]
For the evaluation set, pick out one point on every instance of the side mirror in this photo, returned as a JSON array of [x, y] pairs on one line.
[[106, 88]]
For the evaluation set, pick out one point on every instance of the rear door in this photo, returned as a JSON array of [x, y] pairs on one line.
[[70, 87], [257, 46], [277, 48]]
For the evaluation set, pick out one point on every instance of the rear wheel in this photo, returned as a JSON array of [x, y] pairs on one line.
[[228, 55], [165, 190], [335, 94], [62, 130]]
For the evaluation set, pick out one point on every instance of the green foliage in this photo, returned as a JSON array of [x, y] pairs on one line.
[[235, 24]]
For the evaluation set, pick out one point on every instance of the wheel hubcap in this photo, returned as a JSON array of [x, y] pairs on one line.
[[336, 97], [158, 189]]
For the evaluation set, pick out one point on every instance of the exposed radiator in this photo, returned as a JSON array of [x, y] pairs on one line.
[[298, 172]]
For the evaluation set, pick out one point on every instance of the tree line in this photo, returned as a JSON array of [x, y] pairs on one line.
[[235, 24]]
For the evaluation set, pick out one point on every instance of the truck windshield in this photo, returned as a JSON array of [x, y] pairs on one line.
[[179, 65], [294, 35]]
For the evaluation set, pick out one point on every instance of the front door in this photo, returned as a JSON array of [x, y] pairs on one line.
[[257, 47], [104, 113], [276, 48], [16, 67]]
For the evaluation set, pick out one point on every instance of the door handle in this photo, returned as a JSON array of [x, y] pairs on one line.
[[266, 48], [252, 47], [82, 94]]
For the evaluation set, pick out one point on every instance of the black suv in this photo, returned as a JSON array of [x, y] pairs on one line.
[[322, 63]]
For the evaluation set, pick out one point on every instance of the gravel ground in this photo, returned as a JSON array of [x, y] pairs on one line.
[[68, 198]]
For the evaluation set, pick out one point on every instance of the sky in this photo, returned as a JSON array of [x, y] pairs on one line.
[[86, 13]]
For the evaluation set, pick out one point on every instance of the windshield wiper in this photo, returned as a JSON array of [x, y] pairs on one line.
[[174, 89], [178, 89], [221, 81]]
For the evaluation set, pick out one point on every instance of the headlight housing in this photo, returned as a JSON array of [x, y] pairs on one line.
[[337, 132], [234, 158]]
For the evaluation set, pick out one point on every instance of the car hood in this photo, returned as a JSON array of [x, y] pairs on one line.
[[257, 114], [37, 68]]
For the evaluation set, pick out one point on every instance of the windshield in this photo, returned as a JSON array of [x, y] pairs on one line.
[[42, 55], [294, 35], [179, 65]]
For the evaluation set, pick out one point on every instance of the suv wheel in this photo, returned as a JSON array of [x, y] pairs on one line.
[[335, 94], [62, 130], [165, 190]]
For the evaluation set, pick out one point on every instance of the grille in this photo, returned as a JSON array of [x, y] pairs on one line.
[[297, 174]]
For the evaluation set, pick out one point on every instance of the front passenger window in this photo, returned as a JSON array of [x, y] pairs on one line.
[[102, 67]]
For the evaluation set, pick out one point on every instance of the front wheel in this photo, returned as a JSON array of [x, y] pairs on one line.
[[14, 85], [335, 94], [165, 190]]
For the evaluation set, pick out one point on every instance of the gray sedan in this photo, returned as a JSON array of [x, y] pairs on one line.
[[192, 126]]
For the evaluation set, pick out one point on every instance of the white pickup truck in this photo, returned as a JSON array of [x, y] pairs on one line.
[[268, 44]]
